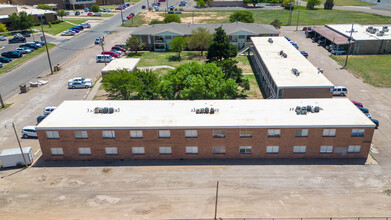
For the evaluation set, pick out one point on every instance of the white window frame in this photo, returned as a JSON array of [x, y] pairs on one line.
[[57, 151], [329, 132], [138, 150], [191, 150], [354, 149], [303, 132], [191, 133], [219, 133], [326, 149], [165, 150], [219, 150], [358, 132], [299, 149], [164, 134], [52, 135], [81, 135], [274, 133], [245, 149], [108, 134], [246, 133], [84, 151], [272, 149], [111, 151], [136, 134]]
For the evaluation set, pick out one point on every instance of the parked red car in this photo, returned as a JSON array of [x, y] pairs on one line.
[[89, 14], [118, 8], [358, 104], [111, 53], [118, 48]]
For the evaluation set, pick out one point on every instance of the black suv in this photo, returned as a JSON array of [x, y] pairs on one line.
[[17, 40]]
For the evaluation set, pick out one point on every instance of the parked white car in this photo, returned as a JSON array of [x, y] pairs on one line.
[[48, 110], [79, 80], [86, 25], [101, 58], [23, 50], [77, 85], [68, 33], [29, 131], [340, 90]]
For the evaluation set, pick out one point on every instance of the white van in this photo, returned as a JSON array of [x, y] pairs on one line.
[[101, 58], [340, 90], [48, 110]]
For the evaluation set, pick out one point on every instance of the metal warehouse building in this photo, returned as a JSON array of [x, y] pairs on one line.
[[285, 73], [288, 128]]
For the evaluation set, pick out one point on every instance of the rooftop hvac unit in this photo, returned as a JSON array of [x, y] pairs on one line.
[[212, 110], [309, 108], [100, 110], [197, 111], [105, 110], [111, 110], [284, 55], [206, 110], [270, 40], [296, 72], [298, 110], [385, 28], [380, 33], [96, 110], [304, 110], [281, 52], [369, 28], [316, 109], [202, 111]]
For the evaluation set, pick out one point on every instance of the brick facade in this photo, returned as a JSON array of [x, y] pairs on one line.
[[205, 143], [59, 3], [307, 93]]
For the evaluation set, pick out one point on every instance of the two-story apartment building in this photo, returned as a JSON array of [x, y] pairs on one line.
[[157, 37], [286, 128]]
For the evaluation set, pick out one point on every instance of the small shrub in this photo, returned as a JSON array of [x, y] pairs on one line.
[[50, 24]]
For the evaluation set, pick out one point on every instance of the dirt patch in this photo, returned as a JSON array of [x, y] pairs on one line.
[[199, 19], [106, 170]]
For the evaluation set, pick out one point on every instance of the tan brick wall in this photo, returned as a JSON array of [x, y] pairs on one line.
[[59, 3], [205, 143], [307, 93]]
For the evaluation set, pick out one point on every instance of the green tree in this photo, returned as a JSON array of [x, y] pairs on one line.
[[3, 28], [242, 16], [220, 47], [254, 2], [288, 4], [232, 71], [155, 21], [134, 43], [276, 23], [171, 18], [44, 7], [21, 21], [192, 81], [137, 85], [275, 2], [95, 8], [201, 3], [61, 13], [311, 3], [329, 4], [178, 44], [199, 39]]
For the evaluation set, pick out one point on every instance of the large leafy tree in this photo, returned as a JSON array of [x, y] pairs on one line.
[[311, 3], [95, 8], [242, 16], [178, 44], [329, 4], [199, 39], [21, 21], [171, 18], [137, 85], [3, 28], [276, 23], [232, 71], [44, 7], [61, 13], [192, 81], [220, 47], [134, 44]]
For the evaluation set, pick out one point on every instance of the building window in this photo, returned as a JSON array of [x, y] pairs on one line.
[[242, 37], [57, 151], [84, 151], [299, 149], [354, 149], [138, 150], [301, 132], [108, 134], [165, 150], [52, 135], [111, 150], [136, 134], [274, 133], [168, 37], [272, 149], [164, 134], [219, 133], [245, 149], [329, 132], [358, 132], [81, 134], [192, 150], [191, 133], [219, 150], [326, 149], [246, 133]]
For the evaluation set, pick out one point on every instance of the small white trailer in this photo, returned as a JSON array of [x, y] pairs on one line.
[[13, 157]]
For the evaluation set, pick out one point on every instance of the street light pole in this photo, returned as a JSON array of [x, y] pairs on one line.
[[47, 50], [104, 55], [347, 54], [17, 138], [122, 18], [290, 14], [217, 196], [298, 15]]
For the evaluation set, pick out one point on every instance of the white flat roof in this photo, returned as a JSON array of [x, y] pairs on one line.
[[360, 31], [280, 68], [35, 11], [122, 63], [171, 114]]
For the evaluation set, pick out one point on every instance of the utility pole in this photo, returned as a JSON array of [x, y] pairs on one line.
[[47, 50], [104, 55], [298, 15], [217, 196], [25, 162], [347, 54], [290, 14], [1, 102], [148, 5], [122, 18]]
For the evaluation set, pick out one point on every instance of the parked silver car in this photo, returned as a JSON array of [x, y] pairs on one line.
[[23, 50], [77, 85], [29, 131]]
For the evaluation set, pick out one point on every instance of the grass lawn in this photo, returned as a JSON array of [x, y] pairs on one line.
[[132, 1], [254, 92], [77, 20], [244, 64], [56, 28], [374, 69], [16, 62], [348, 3], [166, 58], [138, 20], [5, 107]]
